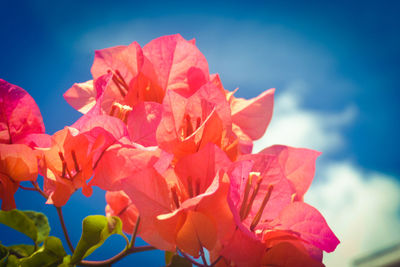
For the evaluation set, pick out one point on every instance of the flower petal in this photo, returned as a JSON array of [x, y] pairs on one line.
[[20, 114], [298, 165], [253, 115], [172, 58], [306, 221]]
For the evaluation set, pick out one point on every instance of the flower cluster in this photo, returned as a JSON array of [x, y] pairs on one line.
[[171, 146]]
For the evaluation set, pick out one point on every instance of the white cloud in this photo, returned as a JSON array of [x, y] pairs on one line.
[[294, 126], [361, 207]]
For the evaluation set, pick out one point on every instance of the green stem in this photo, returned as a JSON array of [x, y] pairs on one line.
[[60, 215]]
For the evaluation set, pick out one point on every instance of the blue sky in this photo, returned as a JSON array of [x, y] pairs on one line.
[[335, 67]]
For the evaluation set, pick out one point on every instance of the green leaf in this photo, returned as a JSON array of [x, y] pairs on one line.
[[51, 253], [22, 250], [19, 221], [41, 223], [178, 261], [95, 230], [66, 262], [3, 254], [31, 223], [12, 261]]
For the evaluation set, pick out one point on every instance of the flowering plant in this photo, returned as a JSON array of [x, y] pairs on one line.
[[171, 147]]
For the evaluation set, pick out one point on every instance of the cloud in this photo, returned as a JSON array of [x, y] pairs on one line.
[[295, 126], [361, 206]]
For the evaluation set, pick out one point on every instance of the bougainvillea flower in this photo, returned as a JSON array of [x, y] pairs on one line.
[[186, 206], [261, 200], [74, 154], [190, 123], [137, 75], [259, 191], [18, 162], [20, 116]]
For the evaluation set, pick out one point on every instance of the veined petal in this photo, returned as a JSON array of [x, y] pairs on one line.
[[309, 224], [298, 165], [172, 58], [20, 116]]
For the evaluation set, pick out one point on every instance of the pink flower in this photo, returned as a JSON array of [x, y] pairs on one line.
[[74, 154], [264, 190]]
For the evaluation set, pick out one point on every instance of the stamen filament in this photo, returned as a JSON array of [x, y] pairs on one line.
[[65, 167], [122, 80], [189, 127], [175, 197], [113, 109], [246, 196], [198, 122], [197, 187], [75, 160], [253, 196], [121, 91], [257, 218], [190, 186]]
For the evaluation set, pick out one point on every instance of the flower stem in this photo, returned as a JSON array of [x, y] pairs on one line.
[[27, 188], [35, 184], [60, 215], [203, 258], [117, 257], [133, 238]]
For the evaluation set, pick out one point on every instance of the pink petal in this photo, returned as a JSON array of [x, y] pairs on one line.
[[172, 57], [298, 165], [202, 166], [115, 127], [272, 175], [309, 224], [135, 162], [20, 114], [243, 250], [253, 115], [125, 59], [36, 140], [143, 122], [81, 96]]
